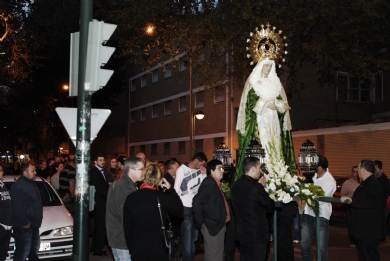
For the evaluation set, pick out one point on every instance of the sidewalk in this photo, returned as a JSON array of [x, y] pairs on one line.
[[338, 248]]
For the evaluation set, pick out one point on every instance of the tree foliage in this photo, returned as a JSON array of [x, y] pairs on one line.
[[333, 35], [34, 90]]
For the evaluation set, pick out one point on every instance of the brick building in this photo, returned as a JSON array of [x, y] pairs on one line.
[[156, 111]]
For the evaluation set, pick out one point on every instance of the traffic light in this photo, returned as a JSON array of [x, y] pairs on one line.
[[98, 54]]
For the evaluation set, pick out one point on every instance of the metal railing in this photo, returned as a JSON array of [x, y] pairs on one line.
[[275, 230]]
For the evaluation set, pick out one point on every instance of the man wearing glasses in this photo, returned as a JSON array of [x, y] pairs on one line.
[[117, 194], [211, 211]]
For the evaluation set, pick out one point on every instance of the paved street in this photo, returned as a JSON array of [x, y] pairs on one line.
[[338, 247]]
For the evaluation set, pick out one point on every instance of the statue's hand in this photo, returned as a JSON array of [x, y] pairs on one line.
[[271, 105], [282, 106], [286, 107]]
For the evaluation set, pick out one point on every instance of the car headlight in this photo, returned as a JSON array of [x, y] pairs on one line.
[[63, 231]]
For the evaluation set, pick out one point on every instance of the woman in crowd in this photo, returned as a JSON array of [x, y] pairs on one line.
[[112, 169], [55, 178], [142, 222]]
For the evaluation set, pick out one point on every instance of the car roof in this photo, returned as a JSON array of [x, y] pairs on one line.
[[13, 178]]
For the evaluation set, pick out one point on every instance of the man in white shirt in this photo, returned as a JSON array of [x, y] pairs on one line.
[[189, 176], [325, 180]]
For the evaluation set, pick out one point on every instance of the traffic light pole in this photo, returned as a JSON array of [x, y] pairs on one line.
[[83, 142]]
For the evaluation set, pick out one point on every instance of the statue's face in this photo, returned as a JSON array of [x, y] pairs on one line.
[[266, 69]]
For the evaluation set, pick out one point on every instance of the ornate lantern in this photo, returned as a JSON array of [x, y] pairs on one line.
[[308, 159], [223, 154], [255, 150]]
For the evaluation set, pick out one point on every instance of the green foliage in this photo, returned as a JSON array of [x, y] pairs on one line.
[[333, 35]]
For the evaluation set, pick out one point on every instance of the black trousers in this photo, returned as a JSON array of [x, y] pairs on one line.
[[285, 240], [368, 249], [230, 243], [99, 232], [5, 237], [252, 252]]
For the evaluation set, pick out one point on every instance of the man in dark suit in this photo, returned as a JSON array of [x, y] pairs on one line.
[[98, 178], [368, 222], [211, 212], [250, 204]]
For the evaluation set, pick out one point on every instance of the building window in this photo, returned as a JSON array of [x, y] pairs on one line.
[[198, 145], [182, 65], [132, 151], [168, 72], [219, 94], [167, 108], [154, 111], [360, 91], [143, 81], [199, 99], [218, 141], [167, 148], [155, 76], [143, 114], [133, 85], [182, 147], [154, 149], [142, 148], [182, 104], [132, 117]]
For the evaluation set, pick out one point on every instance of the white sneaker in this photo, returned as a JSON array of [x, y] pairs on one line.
[[296, 241]]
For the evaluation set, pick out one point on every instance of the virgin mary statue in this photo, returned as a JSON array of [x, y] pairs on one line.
[[264, 117]]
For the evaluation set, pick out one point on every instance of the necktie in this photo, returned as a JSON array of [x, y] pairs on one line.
[[104, 176]]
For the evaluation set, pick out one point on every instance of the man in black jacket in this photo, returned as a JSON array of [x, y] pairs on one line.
[[98, 178], [28, 214], [250, 204], [368, 222], [211, 212]]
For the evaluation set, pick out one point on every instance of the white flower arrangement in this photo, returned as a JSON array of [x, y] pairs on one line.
[[280, 184]]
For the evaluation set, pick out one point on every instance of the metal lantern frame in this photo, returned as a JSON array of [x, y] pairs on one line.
[[308, 159], [255, 149]]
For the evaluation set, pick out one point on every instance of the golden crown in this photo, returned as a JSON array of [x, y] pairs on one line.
[[266, 44]]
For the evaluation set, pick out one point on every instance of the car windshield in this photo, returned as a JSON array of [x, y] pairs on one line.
[[48, 196]]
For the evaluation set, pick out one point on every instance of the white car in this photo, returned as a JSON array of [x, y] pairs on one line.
[[56, 231]]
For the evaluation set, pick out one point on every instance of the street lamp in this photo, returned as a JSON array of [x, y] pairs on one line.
[[149, 30], [197, 115]]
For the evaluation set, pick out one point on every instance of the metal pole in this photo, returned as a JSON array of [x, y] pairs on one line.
[[83, 141], [318, 235], [191, 114], [275, 232]]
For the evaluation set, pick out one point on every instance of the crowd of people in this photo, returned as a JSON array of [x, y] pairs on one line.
[[135, 195]]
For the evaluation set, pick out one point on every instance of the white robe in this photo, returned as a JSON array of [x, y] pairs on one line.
[[268, 89]]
